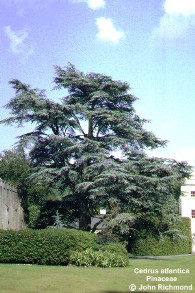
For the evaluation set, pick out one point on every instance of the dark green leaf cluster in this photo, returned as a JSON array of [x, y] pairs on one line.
[[49, 246]]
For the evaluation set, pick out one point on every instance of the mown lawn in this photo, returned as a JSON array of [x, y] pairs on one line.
[[57, 279]]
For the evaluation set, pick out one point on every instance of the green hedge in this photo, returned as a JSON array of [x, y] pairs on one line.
[[55, 247], [148, 244], [49, 246]]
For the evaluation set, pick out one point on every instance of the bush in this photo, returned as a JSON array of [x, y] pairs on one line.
[[149, 244], [49, 246], [59, 247], [99, 258], [116, 248]]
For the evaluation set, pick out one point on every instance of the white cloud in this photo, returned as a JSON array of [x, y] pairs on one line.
[[107, 31], [92, 4], [96, 4], [18, 44], [182, 7], [177, 19], [170, 28]]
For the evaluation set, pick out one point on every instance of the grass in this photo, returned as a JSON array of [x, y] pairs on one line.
[[39, 279]]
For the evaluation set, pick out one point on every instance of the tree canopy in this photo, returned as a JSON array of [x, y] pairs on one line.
[[73, 145]]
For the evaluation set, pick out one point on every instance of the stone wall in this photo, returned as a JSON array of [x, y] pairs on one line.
[[11, 211]]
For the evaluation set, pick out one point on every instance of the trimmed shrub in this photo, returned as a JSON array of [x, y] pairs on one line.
[[99, 258], [59, 247], [49, 246], [116, 248], [149, 244]]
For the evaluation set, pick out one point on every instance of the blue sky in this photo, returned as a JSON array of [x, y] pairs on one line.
[[150, 44]]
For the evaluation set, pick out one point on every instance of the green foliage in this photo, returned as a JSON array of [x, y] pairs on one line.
[[34, 213], [46, 247], [99, 258], [173, 242], [71, 151], [121, 224], [14, 168], [115, 248], [58, 222], [106, 237], [48, 212]]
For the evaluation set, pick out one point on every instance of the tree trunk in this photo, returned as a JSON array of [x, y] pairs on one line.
[[85, 222], [84, 215], [90, 127]]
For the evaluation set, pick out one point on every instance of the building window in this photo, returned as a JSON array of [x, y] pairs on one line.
[[192, 193], [193, 213]]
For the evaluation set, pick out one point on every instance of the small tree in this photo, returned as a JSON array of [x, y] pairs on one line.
[[14, 167]]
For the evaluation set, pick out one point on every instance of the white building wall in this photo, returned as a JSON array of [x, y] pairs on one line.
[[188, 204]]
